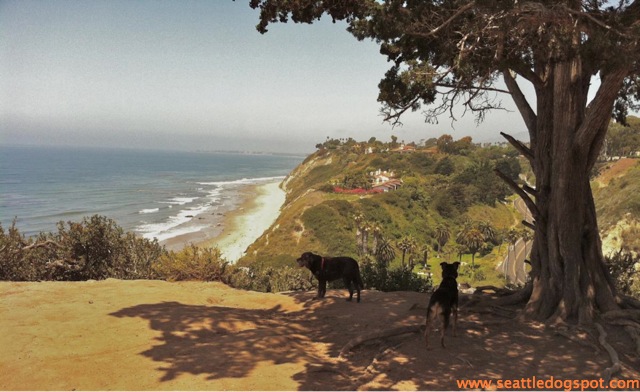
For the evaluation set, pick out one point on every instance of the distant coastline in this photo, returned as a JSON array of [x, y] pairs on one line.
[[243, 152], [155, 194]]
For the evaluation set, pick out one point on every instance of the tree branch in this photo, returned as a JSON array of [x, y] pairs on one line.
[[533, 192], [524, 150], [529, 225], [527, 200], [444, 24], [521, 102], [45, 244], [599, 110], [596, 21]]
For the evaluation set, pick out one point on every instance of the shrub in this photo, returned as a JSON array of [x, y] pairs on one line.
[[96, 248], [192, 263], [376, 275], [623, 266], [268, 279], [18, 262]]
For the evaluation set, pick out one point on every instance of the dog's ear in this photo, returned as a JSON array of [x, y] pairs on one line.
[[457, 264], [443, 264]]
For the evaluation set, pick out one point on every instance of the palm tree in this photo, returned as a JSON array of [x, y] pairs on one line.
[[377, 234], [385, 252], [424, 251], [358, 219], [473, 239], [366, 228], [488, 231], [406, 244], [443, 233]]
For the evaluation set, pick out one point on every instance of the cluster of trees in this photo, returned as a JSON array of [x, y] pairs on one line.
[[447, 145], [377, 252], [623, 140]]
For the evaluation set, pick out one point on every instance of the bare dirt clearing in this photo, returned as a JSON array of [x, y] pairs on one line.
[[154, 335]]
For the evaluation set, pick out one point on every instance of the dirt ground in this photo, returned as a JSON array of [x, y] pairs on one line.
[[154, 335]]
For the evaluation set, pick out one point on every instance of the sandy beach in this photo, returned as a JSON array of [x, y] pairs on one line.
[[236, 225]]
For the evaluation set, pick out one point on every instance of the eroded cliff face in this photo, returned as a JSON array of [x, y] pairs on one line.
[[288, 235]]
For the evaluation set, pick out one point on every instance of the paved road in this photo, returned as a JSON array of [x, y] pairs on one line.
[[513, 266]]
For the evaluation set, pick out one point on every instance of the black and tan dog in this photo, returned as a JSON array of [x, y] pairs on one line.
[[326, 269], [444, 301]]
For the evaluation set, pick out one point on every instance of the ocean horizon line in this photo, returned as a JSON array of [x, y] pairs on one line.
[[158, 149]]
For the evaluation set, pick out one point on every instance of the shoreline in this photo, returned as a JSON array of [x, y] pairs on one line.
[[232, 228]]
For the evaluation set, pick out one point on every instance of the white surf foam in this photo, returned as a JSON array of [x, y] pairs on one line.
[[148, 210]]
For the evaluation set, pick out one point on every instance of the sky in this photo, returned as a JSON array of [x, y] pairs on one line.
[[195, 75]]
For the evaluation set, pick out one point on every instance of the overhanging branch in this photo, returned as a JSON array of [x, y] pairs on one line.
[[528, 115], [532, 226], [523, 195], [524, 150]]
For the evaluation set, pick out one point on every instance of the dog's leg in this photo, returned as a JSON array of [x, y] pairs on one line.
[[432, 312], [322, 288], [445, 324], [358, 290], [426, 331], [347, 284], [455, 319]]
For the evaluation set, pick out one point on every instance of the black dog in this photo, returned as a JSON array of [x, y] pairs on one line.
[[326, 269], [443, 301]]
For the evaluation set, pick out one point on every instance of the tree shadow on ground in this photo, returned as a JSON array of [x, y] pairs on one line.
[[219, 342]]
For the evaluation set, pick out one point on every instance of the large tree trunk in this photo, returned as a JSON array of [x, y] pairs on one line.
[[569, 279]]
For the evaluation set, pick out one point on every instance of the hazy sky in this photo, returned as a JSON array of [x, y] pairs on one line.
[[193, 75]]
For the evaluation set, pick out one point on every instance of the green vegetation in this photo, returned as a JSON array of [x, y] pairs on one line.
[[444, 211], [623, 140], [397, 229], [96, 248], [392, 233]]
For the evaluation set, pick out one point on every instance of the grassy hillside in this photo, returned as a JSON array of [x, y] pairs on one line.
[[617, 196], [438, 189]]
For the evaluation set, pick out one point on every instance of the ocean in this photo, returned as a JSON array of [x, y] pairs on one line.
[[155, 194]]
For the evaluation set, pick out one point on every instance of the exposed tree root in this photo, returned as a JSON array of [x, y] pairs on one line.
[[625, 323], [371, 368], [634, 332], [378, 335], [497, 310], [571, 335], [463, 360], [615, 360], [519, 297], [498, 290], [632, 314], [629, 302]]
